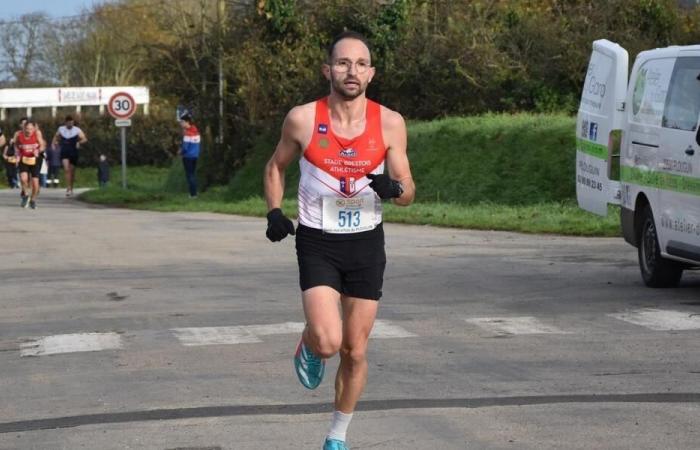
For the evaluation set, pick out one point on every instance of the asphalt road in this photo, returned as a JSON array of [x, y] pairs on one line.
[[140, 330]]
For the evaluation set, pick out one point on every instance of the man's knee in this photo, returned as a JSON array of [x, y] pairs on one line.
[[326, 342], [354, 353]]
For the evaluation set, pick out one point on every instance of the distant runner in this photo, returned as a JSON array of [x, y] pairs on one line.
[[9, 161], [29, 146], [70, 138]]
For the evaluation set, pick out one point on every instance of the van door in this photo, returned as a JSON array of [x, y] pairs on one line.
[[600, 112], [678, 174]]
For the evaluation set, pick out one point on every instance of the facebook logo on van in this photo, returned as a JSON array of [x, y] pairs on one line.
[[593, 132]]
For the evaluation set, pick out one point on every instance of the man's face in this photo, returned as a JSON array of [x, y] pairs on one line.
[[28, 129], [69, 124], [350, 69]]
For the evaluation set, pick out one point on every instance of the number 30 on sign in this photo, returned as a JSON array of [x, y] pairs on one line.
[[121, 105]]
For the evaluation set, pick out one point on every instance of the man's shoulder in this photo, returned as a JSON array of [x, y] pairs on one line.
[[302, 111], [300, 115], [391, 118]]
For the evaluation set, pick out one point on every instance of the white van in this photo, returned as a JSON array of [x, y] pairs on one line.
[[656, 179]]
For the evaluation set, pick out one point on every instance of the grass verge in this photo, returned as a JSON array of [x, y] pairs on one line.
[[550, 217]]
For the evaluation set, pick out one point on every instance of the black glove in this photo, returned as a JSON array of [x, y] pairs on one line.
[[278, 225], [384, 186]]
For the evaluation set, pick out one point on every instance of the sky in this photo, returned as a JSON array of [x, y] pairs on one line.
[[11, 9]]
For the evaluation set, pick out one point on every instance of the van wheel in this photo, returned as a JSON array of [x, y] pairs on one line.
[[657, 272]]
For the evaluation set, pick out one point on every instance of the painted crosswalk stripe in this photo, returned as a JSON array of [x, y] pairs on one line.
[[191, 337], [660, 320], [250, 334], [386, 330], [70, 343], [515, 325]]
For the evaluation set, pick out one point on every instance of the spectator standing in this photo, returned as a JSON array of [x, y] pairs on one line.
[[191, 141], [53, 157]]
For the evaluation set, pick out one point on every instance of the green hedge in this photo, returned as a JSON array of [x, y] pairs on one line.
[[509, 159]]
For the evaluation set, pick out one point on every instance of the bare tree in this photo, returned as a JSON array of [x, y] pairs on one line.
[[57, 57], [21, 43]]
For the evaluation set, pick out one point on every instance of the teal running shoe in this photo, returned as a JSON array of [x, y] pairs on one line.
[[334, 444], [25, 201], [309, 367]]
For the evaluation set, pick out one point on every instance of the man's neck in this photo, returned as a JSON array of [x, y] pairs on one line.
[[347, 112]]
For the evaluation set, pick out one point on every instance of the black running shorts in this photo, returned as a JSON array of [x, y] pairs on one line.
[[70, 155], [33, 170], [351, 264]]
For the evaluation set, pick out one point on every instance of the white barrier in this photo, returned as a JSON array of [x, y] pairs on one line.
[[67, 96]]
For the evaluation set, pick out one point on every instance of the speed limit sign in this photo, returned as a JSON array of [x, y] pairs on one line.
[[121, 105]]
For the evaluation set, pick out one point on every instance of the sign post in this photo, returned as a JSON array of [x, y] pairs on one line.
[[122, 106]]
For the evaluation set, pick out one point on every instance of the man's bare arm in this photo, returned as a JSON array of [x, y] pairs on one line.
[[394, 129], [287, 150]]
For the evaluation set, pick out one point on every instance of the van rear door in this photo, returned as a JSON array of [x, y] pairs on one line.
[[600, 112]]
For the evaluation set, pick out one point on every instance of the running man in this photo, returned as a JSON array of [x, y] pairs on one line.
[[344, 141], [22, 123], [29, 146], [70, 138], [9, 161]]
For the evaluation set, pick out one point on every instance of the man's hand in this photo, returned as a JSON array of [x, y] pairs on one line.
[[384, 186], [278, 225]]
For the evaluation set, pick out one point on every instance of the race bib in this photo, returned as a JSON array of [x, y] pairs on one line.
[[29, 160], [349, 215], [12, 159]]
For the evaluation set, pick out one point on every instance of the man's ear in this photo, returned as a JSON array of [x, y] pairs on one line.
[[326, 71]]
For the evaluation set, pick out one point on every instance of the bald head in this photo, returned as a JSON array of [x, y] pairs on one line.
[[347, 35]]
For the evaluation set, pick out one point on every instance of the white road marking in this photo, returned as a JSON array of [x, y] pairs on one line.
[[214, 336], [386, 330], [194, 336], [660, 320], [515, 325], [275, 328], [250, 334], [71, 343]]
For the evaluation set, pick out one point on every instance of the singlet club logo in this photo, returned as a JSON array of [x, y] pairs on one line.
[[348, 153], [372, 144], [322, 128]]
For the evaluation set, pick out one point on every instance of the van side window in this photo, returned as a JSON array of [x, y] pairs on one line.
[[683, 101], [650, 89]]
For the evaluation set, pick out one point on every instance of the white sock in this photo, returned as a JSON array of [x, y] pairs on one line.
[[339, 426]]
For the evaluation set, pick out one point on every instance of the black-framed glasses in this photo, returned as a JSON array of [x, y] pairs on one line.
[[344, 65]]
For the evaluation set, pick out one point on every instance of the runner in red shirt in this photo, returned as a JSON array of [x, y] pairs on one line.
[[343, 142], [29, 147]]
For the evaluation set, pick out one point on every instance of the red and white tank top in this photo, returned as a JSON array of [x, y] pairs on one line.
[[333, 173], [27, 145]]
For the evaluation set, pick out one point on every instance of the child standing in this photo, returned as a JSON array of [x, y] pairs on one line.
[[103, 171], [54, 160]]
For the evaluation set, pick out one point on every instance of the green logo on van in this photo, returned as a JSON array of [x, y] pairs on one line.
[[638, 93]]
